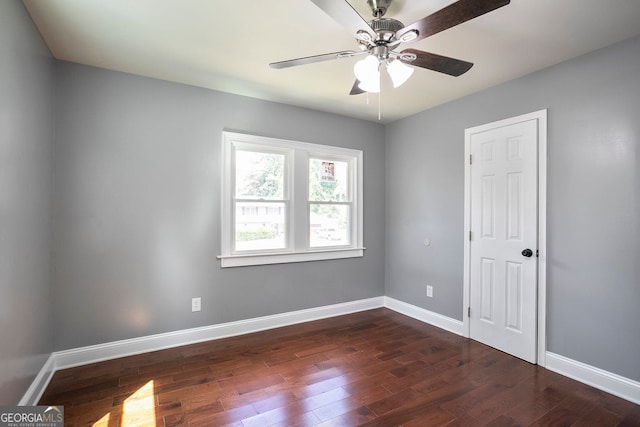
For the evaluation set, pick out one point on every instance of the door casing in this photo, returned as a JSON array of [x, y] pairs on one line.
[[541, 119]]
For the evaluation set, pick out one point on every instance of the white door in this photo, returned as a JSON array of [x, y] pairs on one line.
[[503, 237]]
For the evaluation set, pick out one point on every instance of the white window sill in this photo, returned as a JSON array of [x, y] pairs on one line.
[[282, 258]]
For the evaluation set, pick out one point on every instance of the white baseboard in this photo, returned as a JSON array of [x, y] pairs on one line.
[[426, 316], [39, 384], [595, 377]]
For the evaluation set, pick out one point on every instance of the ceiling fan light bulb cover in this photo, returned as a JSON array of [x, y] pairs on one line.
[[364, 36], [399, 73], [367, 69], [372, 86], [409, 36]]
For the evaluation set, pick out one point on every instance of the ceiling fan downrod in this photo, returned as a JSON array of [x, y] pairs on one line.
[[378, 7]]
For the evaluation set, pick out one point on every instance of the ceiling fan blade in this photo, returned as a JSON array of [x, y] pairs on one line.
[[355, 90], [315, 58], [343, 13], [431, 61], [450, 16]]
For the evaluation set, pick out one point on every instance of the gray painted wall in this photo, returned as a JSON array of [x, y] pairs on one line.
[[137, 222], [593, 202], [26, 171]]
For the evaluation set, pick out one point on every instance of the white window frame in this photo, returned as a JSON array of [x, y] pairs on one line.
[[297, 155]]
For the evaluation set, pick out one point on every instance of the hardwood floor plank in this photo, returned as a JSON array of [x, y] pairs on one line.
[[527, 412], [356, 417], [210, 388], [353, 402], [306, 419], [374, 368], [598, 417], [631, 419], [502, 402], [395, 402], [432, 416], [503, 421], [558, 416]]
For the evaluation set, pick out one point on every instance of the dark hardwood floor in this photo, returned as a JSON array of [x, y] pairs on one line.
[[374, 368]]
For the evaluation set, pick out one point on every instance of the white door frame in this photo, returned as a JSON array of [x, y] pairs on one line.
[[541, 117]]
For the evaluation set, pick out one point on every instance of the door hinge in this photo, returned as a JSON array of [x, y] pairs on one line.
[[537, 253], [469, 235], [468, 311], [470, 159]]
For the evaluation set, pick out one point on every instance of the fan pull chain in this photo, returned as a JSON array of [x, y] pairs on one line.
[[379, 104]]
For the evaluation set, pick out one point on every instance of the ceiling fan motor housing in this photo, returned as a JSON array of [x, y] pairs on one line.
[[386, 29]]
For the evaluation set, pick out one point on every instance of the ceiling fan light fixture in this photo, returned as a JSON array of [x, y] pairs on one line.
[[407, 57], [409, 36], [367, 71], [372, 86], [399, 72], [364, 36]]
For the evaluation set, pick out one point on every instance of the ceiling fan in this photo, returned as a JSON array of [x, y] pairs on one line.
[[379, 38]]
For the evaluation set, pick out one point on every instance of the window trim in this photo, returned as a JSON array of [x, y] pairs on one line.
[[298, 246]]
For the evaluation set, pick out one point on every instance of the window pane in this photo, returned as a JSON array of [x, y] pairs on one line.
[[260, 226], [328, 181], [329, 225], [259, 175]]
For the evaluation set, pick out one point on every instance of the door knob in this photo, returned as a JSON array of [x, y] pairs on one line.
[[527, 252]]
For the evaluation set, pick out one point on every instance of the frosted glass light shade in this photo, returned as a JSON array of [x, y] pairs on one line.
[[399, 72], [367, 71], [372, 86]]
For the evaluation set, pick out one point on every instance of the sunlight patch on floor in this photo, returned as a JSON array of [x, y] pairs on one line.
[[103, 422], [139, 408]]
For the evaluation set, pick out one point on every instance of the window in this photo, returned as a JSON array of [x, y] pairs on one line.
[[286, 201], [260, 197]]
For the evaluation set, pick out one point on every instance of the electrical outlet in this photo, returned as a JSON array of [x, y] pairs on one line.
[[429, 291], [196, 304]]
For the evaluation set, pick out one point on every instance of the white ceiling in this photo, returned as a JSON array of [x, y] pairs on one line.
[[227, 45]]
